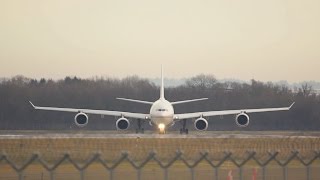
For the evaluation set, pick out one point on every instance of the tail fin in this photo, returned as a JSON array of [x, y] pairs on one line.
[[162, 85]]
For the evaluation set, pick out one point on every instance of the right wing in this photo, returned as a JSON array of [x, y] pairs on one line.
[[92, 111]]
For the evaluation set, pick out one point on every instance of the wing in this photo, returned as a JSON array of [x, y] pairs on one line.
[[228, 112], [92, 111]]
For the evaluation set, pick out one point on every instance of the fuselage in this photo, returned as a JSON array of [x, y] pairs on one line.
[[162, 112]]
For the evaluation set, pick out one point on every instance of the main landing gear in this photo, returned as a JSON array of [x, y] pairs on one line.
[[140, 129], [184, 130]]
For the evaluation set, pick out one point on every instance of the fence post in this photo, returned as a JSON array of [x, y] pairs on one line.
[[20, 175], [166, 173], [264, 173], [192, 173], [308, 172], [82, 174], [51, 175], [139, 174], [240, 173], [216, 173], [285, 172], [111, 174]]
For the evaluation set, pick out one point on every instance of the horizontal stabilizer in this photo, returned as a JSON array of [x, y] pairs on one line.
[[137, 101], [187, 101]]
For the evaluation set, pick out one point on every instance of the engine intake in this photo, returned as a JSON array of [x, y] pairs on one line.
[[201, 124], [242, 120], [122, 123], [81, 119]]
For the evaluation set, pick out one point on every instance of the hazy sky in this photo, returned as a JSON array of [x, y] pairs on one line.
[[243, 39]]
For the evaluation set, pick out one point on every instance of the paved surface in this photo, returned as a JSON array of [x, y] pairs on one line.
[[151, 134]]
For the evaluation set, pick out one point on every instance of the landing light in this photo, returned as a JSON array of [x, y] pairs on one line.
[[161, 126]]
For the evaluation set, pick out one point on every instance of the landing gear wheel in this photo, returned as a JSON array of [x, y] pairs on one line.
[[184, 130], [140, 129]]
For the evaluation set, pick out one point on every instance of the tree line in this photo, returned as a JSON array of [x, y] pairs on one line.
[[101, 93]]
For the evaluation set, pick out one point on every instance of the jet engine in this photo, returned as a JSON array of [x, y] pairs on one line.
[[122, 123], [201, 124], [81, 119], [242, 120]]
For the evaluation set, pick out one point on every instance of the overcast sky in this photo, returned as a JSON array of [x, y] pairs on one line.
[[243, 39]]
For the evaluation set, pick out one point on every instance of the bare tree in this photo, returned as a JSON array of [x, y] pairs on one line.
[[306, 89], [202, 81]]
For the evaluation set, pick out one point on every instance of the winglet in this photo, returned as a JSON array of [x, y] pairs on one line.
[[32, 105], [291, 105]]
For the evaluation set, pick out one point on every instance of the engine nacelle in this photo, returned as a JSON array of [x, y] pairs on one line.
[[201, 124], [242, 120], [122, 123], [81, 119]]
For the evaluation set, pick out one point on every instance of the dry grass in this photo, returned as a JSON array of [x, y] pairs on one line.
[[52, 148]]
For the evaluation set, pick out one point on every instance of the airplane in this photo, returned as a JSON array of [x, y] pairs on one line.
[[162, 114]]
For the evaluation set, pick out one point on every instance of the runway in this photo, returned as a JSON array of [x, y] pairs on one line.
[[153, 134]]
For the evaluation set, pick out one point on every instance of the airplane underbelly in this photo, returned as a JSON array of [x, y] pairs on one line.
[[162, 120]]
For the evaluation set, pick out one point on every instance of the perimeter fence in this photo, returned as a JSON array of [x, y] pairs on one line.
[[251, 166]]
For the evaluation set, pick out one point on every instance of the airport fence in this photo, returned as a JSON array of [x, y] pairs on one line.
[[310, 166]]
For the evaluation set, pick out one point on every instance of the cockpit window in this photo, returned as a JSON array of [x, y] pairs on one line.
[[162, 109]]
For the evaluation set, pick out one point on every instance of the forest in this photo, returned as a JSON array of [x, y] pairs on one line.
[[101, 92]]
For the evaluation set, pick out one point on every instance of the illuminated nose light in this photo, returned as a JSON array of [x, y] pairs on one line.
[[161, 126]]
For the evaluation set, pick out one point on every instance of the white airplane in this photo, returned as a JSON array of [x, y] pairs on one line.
[[162, 114]]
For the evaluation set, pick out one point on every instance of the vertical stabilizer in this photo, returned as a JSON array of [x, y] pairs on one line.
[[162, 85]]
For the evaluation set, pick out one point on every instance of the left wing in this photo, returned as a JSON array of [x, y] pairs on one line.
[[92, 111], [227, 112]]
